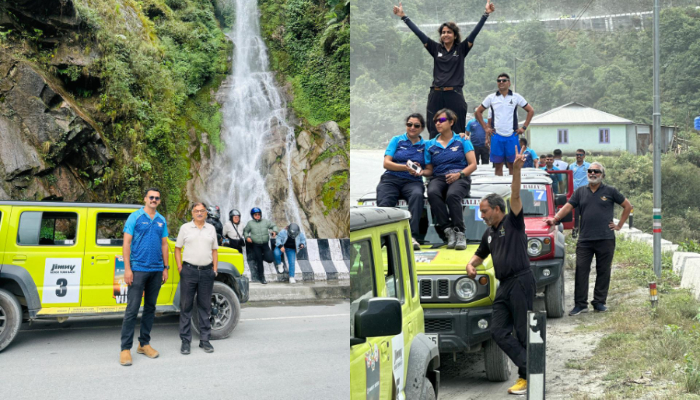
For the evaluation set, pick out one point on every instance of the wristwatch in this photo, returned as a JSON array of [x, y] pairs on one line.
[[166, 267], [524, 127], [461, 174]]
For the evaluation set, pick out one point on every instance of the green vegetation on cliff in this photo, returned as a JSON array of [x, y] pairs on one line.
[[309, 44]]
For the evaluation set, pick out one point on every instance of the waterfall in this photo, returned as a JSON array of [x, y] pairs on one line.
[[253, 111]]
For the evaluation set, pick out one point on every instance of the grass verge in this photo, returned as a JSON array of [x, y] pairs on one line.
[[645, 352]]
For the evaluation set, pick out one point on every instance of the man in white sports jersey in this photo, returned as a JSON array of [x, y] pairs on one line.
[[502, 130]]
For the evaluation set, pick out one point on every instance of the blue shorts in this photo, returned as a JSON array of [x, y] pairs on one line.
[[503, 148]]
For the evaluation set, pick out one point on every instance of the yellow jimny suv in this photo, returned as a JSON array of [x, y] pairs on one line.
[[59, 260], [457, 308], [390, 356]]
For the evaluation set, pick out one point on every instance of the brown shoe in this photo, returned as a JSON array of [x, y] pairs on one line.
[[125, 357], [148, 351]]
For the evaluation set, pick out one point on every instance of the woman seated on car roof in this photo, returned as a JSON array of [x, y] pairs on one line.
[[400, 180], [450, 160]]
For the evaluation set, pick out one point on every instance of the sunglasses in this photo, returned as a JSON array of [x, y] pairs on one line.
[[442, 120], [594, 171], [580, 155], [156, 198], [501, 80], [409, 125]]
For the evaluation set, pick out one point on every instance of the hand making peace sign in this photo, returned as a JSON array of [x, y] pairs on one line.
[[519, 158]]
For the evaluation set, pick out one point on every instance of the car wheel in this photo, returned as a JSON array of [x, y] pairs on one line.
[[496, 362], [10, 318], [428, 392], [228, 312], [554, 298]]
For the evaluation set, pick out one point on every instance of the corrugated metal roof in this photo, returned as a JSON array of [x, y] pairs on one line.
[[577, 114]]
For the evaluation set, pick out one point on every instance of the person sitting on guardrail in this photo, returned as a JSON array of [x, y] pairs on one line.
[[403, 161], [596, 203], [450, 160], [232, 236], [506, 242], [290, 240], [257, 234]]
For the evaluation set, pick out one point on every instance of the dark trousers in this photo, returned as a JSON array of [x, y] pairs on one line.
[[261, 252], [392, 188], [452, 99], [514, 298], [201, 282], [443, 196], [603, 251], [146, 284], [482, 155]]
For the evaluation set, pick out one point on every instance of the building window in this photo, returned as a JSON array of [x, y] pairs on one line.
[[604, 135], [563, 136]]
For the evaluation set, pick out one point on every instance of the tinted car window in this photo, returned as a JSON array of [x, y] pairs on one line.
[[392, 266], [361, 277], [37, 228], [110, 228]]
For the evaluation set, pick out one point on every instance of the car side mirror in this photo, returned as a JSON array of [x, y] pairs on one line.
[[560, 200], [378, 316]]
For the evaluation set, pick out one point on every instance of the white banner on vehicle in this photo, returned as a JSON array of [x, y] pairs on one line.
[[397, 361], [531, 186], [61, 280]]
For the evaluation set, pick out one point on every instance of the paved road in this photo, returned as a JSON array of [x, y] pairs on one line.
[[276, 352]]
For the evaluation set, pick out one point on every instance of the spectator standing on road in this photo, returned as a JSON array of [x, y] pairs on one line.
[[558, 162], [232, 231], [556, 178], [449, 159], [596, 237], [478, 137], [257, 234], [290, 240], [506, 242], [580, 167], [145, 252], [448, 67], [532, 160], [400, 181], [198, 269], [502, 131]]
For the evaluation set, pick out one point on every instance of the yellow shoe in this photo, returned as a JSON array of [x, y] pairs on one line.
[[125, 357], [148, 351], [520, 387]]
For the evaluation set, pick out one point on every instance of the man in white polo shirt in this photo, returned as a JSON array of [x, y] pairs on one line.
[[504, 123], [198, 269]]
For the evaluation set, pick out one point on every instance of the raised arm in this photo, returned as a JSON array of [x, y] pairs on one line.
[[472, 36], [516, 203], [398, 10]]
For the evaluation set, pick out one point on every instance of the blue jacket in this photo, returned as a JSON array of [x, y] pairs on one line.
[[282, 238]]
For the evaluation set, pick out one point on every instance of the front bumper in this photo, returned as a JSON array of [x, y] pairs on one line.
[[457, 328], [553, 265]]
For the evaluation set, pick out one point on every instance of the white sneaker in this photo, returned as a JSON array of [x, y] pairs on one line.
[[280, 268], [292, 280]]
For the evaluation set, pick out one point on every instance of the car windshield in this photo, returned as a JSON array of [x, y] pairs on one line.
[[534, 198], [473, 224]]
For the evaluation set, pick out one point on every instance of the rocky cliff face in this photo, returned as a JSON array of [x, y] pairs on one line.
[[50, 148]]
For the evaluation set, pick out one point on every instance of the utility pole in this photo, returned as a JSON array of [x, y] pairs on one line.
[[657, 148]]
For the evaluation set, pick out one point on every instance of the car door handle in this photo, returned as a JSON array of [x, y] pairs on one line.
[[19, 258], [102, 258], [385, 353]]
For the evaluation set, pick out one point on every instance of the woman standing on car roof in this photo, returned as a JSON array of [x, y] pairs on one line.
[[450, 160], [448, 67], [400, 181]]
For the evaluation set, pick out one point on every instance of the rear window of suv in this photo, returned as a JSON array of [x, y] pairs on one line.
[[38, 228]]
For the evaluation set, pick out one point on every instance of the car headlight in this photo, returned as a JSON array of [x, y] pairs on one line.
[[534, 247], [465, 288]]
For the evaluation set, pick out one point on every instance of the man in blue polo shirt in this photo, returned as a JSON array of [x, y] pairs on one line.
[[145, 254], [478, 138], [580, 168], [502, 131]]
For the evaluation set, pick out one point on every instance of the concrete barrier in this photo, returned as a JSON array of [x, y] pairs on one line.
[[322, 260], [686, 265]]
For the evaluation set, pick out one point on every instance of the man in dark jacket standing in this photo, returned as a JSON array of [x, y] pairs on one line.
[[257, 234]]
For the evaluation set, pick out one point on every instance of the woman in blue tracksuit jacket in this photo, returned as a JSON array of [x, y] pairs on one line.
[[290, 239]]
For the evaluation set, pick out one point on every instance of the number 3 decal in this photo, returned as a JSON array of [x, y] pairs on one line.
[[62, 287]]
